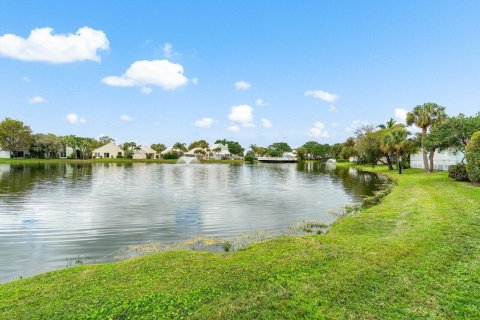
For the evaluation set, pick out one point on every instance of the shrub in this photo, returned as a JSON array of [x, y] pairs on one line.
[[170, 155], [458, 172], [473, 157]]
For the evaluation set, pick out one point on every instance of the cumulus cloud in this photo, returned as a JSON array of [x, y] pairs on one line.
[[266, 123], [36, 100], [233, 128], [143, 73], [73, 118], [204, 122], [242, 114], [401, 114], [261, 103], [318, 131], [43, 45], [322, 95], [126, 117], [242, 85]]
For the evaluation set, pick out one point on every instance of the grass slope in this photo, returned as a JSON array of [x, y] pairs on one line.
[[414, 256]]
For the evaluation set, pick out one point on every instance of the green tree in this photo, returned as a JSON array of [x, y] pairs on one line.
[[301, 153], [280, 146], [103, 140], [425, 116], [15, 136], [159, 147], [473, 157], [367, 147], [396, 141], [180, 147], [233, 146], [46, 145], [454, 133], [348, 149], [199, 144], [388, 125], [128, 148]]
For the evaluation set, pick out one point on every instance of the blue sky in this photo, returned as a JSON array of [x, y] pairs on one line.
[[320, 68]]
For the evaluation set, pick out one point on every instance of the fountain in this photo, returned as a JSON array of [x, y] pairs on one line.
[[188, 160]]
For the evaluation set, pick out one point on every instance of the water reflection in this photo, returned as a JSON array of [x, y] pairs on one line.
[[53, 213]]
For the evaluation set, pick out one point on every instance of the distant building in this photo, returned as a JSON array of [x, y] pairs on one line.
[[220, 151], [4, 154], [441, 160], [145, 152], [110, 150]]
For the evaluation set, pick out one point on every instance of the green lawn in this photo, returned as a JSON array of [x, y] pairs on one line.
[[414, 256]]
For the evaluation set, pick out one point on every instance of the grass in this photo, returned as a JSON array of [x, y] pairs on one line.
[[416, 255], [111, 160]]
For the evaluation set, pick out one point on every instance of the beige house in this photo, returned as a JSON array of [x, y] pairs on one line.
[[110, 150], [145, 152]]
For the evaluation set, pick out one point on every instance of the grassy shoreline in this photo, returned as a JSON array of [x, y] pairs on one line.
[[415, 255]]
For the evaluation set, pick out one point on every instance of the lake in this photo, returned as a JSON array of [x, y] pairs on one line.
[[53, 214]]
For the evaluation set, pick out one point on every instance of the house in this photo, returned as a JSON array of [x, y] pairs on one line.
[[441, 160], [220, 151], [145, 152], [197, 152], [110, 150], [4, 154]]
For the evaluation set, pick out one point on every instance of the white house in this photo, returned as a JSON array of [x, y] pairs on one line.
[[110, 150], [441, 160], [143, 152], [4, 154], [220, 151]]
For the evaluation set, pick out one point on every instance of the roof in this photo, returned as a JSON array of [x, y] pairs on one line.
[[147, 149], [109, 147]]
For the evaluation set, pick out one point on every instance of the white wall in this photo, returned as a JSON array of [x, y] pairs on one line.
[[4, 154], [441, 160]]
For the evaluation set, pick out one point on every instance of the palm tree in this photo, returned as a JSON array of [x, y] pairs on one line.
[[425, 116], [396, 141], [388, 125]]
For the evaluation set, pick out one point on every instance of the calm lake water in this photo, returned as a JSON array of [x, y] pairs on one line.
[[53, 214]]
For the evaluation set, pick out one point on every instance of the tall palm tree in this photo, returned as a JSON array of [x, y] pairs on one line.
[[425, 116], [396, 141]]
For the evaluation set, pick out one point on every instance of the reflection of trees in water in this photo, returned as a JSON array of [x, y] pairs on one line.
[[22, 177], [359, 183]]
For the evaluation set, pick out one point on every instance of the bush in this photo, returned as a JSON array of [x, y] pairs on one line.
[[170, 155], [473, 157], [458, 172]]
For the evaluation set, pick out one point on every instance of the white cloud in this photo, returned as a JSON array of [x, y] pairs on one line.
[[318, 131], [146, 90], [204, 123], [261, 103], [242, 85], [266, 123], [401, 114], [73, 118], [323, 95], [125, 117], [36, 100], [233, 128], [167, 50], [242, 114], [43, 45], [161, 73], [194, 81], [355, 125]]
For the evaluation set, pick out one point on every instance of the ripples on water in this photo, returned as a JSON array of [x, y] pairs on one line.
[[53, 214]]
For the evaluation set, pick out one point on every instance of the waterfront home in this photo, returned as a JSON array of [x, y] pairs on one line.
[[220, 151], [197, 152], [145, 152], [285, 158], [171, 150], [4, 154], [441, 160], [110, 150]]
